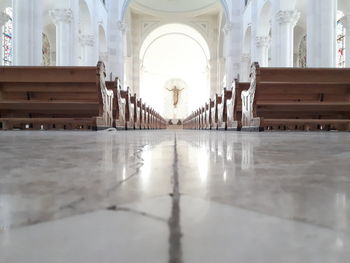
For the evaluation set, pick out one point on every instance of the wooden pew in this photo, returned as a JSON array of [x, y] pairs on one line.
[[201, 118], [144, 117], [233, 105], [151, 118], [129, 109], [206, 117], [198, 119], [211, 110], [222, 109], [140, 114], [297, 99], [147, 118], [55, 98], [136, 112], [214, 112], [118, 104], [219, 111], [187, 121]]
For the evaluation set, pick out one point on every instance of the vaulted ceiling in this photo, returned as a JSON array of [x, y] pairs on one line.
[[171, 7]]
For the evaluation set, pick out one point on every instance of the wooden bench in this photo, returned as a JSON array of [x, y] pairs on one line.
[[55, 98], [129, 109], [144, 117], [206, 124], [201, 118], [215, 112], [198, 119], [187, 122], [219, 111], [297, 99], [118, 104], [136, 112], [211, 114], [147, 118], [232, 110], [140, 114]]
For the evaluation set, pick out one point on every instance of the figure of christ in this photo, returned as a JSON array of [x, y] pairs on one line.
[[176, 95]]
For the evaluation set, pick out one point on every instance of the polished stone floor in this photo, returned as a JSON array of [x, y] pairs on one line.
[[174, 196]]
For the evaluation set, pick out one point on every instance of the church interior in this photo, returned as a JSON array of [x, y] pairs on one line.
[[174, 131]]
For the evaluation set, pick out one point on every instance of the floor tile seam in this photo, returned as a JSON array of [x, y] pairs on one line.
[[290, 220]]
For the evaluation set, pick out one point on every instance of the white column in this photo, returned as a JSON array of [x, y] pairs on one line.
[[27, 32], [321, 33], [62, 18], [232, 52], [262, 50], [121, 35], [283, 38], [87, 43], [3, 19], [245, 67], [346, 23], [254, 25], [103, 56]]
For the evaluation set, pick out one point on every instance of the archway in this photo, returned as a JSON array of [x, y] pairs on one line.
[[224, 5], [102, 40], [86, 37], [185, 66], [264, 34]]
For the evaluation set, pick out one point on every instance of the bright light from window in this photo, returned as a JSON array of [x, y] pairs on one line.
[[175, 55]]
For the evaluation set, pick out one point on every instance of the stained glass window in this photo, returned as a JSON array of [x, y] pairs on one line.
[[7, 39], [340, 41]]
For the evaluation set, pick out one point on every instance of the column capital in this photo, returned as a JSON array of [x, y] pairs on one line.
[[3, 18], [228, 28], [61, 15], [263, 41], [288, 17], [345, 21], [122, 26], [87, 40]]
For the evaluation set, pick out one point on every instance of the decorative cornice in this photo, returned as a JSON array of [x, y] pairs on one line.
[[288, 17], [263, 41], [4, 18], [345, 21], [61, 15], [87, 40]]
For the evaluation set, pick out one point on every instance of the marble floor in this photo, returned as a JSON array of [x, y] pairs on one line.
[[174, 196]]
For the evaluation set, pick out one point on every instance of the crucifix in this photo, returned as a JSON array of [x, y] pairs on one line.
[[176, 94]]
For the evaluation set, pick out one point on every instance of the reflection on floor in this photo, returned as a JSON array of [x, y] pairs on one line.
[[174, 196]]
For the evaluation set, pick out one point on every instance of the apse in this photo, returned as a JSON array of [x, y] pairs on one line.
[[175, 56]]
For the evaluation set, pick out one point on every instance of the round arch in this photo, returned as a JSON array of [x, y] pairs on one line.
[[183, 29], [188, 62], [247, 39], [85, 21], [264, 20], [102, 38], [223, 3]]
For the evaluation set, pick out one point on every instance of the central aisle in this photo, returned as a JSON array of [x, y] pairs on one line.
[[174, 196]]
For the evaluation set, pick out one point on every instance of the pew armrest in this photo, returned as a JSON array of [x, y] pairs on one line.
[[248, 111], [105, 118]]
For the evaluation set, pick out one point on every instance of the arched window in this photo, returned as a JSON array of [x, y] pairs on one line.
[[6, 45], [340, 41]]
